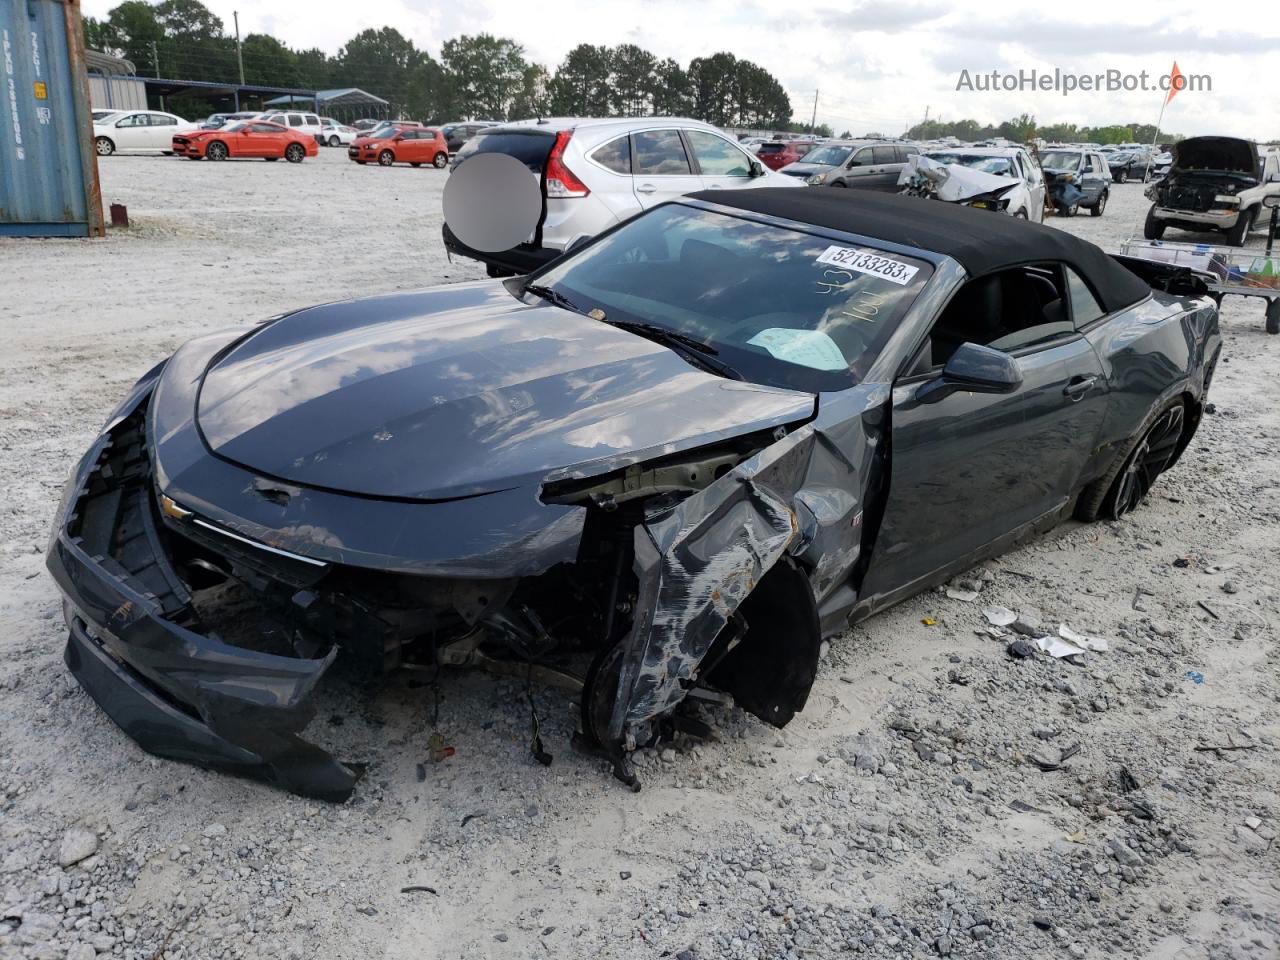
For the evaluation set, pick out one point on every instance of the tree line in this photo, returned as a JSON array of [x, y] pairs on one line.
[[1023, 128], [478, 75]]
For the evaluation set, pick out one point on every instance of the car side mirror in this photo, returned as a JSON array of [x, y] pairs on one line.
[[757, 168], [973, 368], [1272, 201], [854, 163]]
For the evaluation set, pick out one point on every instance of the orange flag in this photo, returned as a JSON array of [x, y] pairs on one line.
[[1175, 83]]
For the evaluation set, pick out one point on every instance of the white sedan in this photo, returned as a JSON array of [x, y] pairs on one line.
[[149, 130], [337, 135]]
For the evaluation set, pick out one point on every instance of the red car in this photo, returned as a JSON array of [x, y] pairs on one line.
[[413, 145], [778, 153], [252, 138]]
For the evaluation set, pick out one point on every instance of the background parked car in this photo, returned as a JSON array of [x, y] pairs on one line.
[[307, 123], [596, 173], [1076, 177], [217, 120], [776, 154], [245, 139], [142, 130], [864, 164], [1129, 164], [100, 115], [338, 135], [411, 145], [459, 133]]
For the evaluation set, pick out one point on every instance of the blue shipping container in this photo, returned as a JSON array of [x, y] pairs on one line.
[[48, 171]]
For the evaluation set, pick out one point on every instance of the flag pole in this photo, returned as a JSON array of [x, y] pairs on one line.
[[1155, 138]]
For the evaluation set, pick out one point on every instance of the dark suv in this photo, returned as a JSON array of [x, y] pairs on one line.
[[864, 164]]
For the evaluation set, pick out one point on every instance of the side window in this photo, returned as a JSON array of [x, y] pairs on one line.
[[1009, 310], [905, 153], [313, 120], [1084, 305], [134, 120], [265, 128], [162, 120], [295, 120], [861, 159], [277, 118], [659, 153], [884, 155], [614, 155], [717, 157]]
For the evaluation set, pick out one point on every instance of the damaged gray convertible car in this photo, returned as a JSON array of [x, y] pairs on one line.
[[658, 471]]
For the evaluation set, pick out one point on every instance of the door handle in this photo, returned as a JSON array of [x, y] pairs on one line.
[[646, 188], [1078, 387]]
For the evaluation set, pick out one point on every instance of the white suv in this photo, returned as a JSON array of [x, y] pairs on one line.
[[306, 123], [596, 173]]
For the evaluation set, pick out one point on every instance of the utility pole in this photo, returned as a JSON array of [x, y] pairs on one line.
[[155, 59], [235, 14], [813, 124]]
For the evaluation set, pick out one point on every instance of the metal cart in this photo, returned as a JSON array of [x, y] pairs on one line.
[[1246, 273]]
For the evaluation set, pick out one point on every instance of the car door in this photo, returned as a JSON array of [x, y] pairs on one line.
[[858, 168], [1034, 180], [133, 132], [974, 468], [160, 130], [1096, 176], [614, 185], [662, 167], [721, 164]]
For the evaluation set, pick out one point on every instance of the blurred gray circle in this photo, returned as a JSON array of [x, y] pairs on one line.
[[492, 202]]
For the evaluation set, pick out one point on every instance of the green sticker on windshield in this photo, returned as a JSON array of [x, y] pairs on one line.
[[805, 348]]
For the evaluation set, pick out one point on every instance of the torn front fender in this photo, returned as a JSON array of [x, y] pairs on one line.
[[696, 563]]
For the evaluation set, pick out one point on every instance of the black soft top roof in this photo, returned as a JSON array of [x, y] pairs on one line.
[[979, 240]]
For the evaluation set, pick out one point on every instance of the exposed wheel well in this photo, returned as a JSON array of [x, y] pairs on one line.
[[772, 668]]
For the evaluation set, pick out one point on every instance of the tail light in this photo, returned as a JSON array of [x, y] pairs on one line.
[[562, 183]]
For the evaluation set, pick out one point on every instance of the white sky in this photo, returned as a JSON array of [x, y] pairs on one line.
[[878, 63]]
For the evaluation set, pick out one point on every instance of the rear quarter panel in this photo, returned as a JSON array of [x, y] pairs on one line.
[[1152, 352]]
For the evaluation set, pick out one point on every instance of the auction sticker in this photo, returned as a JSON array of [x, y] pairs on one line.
[[875, 264]]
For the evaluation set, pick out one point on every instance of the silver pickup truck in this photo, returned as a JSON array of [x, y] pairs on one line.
[[1215, 183]]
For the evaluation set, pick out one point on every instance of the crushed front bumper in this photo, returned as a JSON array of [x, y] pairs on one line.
[[134, 647]]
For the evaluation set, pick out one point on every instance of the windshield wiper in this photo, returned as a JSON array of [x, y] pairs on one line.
[[553, 296], [689, 347]]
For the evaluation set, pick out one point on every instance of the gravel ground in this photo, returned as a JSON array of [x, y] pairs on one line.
[[905, 813]]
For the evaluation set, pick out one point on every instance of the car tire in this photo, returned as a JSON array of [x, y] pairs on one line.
[[386, 158], [1153, 229], [1239, 233], [1068, 209], [440, 160], [335, 142], [1129, 479], [839, 183], [104, 146], [1097, 209], [217, 150], [1273, 316], [1121, 176], [1021, 215], [295, 153]]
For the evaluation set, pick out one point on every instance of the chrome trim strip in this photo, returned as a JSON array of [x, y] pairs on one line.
[[261, 546]]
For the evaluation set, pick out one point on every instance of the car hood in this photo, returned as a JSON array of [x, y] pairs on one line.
[[954, 181], [460, 391], [799, 169], [1227, 154]]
